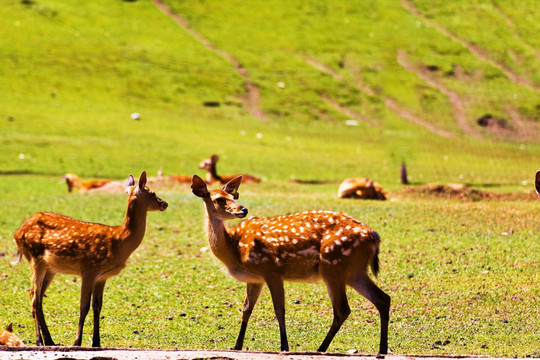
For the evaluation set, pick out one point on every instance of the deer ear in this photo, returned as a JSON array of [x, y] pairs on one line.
[[232, 186], [198, 186], [142, 180], [214, 158], [537, 183], [9, 328], [131, 182]]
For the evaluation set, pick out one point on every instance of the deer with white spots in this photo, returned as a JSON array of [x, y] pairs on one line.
[[54, 243], [8, 338], [306, 246]]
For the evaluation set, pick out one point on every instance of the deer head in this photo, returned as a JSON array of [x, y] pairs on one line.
[[141, 194], [220, 204]]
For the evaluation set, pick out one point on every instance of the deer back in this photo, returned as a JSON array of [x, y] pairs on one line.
[[297, 245]]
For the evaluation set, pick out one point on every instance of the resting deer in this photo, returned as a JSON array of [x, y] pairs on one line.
[[167, 179], [212, 177], [73, 181], [537, 183], [361, 188], [302, 247], [8, 338], [54, 243]]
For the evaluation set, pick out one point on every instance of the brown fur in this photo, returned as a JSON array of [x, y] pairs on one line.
[[54, 243], [210, 165], [361, 188], [537, 183], [306, 246], [73, 181], [8, 338]]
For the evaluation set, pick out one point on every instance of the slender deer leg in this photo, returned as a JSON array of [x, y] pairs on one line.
[[338, 296], [97, 302], [252, 295], [49, 275], [363, 284], [87, 288], [275, 284], [39, 274]]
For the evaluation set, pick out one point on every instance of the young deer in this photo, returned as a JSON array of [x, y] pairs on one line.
[[8, 338], [55, 243], [212, 177], [301, 247]]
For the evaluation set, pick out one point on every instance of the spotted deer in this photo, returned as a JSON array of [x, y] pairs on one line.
[[54, 243], [307, 246], [212, 177], [361, 188], [8, 338]]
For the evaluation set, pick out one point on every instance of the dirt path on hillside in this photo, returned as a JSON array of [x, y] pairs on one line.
[[473, 48], [390, 103], [513, 31], [252, 96], [458, 105], [130, 354]]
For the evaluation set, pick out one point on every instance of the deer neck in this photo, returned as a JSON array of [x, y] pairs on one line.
[[212, 176], [133, 228], [220, 241], [76, 182]]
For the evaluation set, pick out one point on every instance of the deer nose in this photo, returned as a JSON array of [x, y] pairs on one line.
[[164, 206], [244, 211]]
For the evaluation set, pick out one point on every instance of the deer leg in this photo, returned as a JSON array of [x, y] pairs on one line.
[[97, 302], [338, 296], [39, 274], [44, 328], [252, 295], [380, 299], [87, 287], [275, 284]]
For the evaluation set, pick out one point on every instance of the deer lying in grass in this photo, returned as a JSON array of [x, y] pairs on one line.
[[361, 188], [8, 338], [73, 181], [537, 183], [161, 179], [54, 243], [212, 177], [302, 247]]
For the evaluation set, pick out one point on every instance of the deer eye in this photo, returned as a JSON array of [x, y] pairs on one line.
[[221, 201]]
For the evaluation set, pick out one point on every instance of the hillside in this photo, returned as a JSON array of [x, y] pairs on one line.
[[246, 80]]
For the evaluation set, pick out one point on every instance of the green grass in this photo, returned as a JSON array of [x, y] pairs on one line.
[[452, 273], [71, 75]]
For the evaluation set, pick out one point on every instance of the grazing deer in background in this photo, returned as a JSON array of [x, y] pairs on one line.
[[212, 177], [301, 247], [361, 188], [73, 181], [8, 338], [54, 243], [537, 183]]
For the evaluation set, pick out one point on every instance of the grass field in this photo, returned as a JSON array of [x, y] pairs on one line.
[[463, 275]]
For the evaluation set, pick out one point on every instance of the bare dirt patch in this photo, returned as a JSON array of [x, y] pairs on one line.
[[463, 192], [252, 96]]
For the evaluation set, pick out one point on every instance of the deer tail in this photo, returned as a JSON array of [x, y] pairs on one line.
[[375, 259], [18, 259]]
